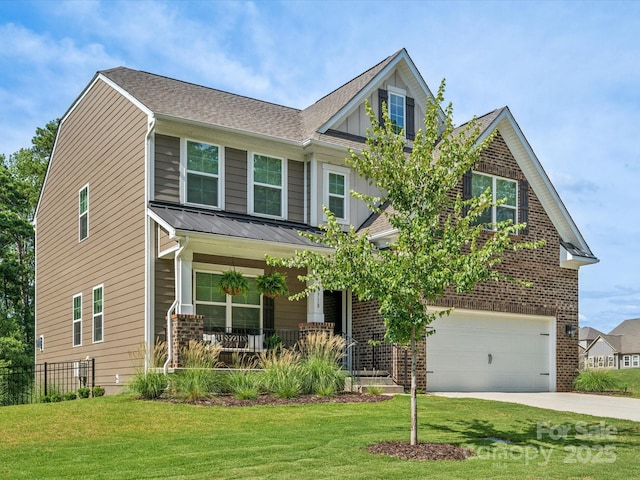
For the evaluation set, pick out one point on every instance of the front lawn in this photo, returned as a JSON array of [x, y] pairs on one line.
[[118, 437], [629, 378]]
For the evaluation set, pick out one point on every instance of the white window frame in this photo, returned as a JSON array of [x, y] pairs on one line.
[[610, 361], [494, 193], [336, 170], [252, 183], [228, 303], [75, 320], [82, 214], [635, 361], [590, 362], [95, 314], [626, 361], [398, 92], [184, 173]]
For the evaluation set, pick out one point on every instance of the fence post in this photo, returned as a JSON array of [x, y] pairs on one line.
[[93, 373], [45, 379]]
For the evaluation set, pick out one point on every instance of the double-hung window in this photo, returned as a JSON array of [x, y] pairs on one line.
[[267, 192], [336, 191], [500, 189], [227, 313], [83, 213], [203, 172], [77, 320], [397, 110], [635, 362], [98, 314]]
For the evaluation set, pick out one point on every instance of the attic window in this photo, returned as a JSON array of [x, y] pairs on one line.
[[396, 111], [401, 110]]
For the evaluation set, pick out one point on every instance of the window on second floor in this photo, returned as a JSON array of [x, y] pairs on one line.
[[267, 184], [83, 213], [336, 191], [500, 189], [203, 173]]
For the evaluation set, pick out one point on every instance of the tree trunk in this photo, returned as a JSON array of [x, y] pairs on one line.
[[414, 400]]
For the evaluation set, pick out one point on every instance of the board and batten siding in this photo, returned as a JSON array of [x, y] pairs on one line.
[[101, 143]]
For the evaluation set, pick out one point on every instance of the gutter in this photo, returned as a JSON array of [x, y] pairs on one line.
[[176, 259]]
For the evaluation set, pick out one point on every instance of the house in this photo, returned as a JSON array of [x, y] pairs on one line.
[[586, 335], [619, 349], [157, 186]]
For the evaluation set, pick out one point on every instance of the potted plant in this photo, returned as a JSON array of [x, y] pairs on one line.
[[233, 283], [272, 285]]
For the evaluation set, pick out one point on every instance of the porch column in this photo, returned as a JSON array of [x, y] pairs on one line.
[[185, 287], [184, 328], [315, 307]]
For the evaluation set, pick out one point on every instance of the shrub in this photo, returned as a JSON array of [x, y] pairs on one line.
[[149, 385], [596, 381], [98, 391], [282, 373], [56, 397], [70, 396], [84, 392]]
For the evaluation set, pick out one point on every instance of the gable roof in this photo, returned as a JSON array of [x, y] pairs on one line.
[[588, 333], [629, 331]]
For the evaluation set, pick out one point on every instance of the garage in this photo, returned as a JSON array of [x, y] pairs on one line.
[[491, 352]]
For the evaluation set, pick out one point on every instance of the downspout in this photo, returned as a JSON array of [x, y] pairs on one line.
[[173, 306]]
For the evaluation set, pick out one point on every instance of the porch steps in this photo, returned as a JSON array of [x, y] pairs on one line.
[[379, 381]]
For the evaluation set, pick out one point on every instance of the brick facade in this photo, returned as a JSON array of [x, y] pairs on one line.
[[184, 328], [554, 291]]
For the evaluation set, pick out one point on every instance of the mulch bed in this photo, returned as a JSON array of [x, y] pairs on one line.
[[231, 401], [421, 451]]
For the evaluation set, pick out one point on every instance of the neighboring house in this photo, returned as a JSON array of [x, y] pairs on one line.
[[586, 335], [619, 349], [157, 186]]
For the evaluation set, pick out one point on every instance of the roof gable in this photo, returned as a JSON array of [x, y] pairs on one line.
[[575, 250], [329, 111]]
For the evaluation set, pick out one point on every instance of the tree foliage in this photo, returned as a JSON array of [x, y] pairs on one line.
[[21, 177], [439, 243]]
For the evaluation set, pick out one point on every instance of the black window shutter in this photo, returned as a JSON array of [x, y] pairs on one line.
[[523, 204], [268, 313], [383, 97], [467, 189], [410, 129]]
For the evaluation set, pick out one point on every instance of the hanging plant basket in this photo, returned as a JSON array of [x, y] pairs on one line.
[[272, 285], [233, 283]]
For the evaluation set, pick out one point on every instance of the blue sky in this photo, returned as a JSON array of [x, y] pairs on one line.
[[569, 71]]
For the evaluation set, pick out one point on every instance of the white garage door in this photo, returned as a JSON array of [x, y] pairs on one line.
[[479, 352]]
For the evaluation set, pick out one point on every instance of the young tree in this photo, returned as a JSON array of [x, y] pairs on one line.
[[439, 245]]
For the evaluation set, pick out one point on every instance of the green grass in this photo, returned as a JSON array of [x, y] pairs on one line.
[[630, 378], [118, 437]]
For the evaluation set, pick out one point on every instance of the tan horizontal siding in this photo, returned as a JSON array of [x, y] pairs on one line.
[[100, 143], [164, 294]]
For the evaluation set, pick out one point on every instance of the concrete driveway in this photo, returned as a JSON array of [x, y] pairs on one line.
[[598, 405]]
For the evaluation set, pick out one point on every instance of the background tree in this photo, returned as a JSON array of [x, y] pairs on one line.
[[439, 246], [21, 177]]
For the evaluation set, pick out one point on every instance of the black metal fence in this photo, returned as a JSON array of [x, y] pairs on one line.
[[23, 385]]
